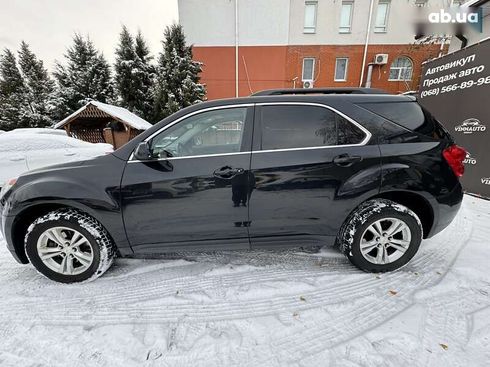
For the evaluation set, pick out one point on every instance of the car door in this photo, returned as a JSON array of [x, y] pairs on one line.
[[194, 194], [311, 165]]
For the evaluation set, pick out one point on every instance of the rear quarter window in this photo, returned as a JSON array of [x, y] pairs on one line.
[[409, 115]]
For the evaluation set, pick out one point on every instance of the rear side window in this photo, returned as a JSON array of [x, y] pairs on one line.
[[410, 115], [285, 127]]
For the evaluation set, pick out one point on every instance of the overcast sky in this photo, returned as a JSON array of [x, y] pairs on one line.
[[48, 25]]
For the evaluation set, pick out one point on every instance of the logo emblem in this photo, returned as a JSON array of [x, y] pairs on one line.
[[470, 126], [469, 159]]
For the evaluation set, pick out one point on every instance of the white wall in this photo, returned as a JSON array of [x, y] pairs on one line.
[[400, 28], [280, 22], [472, 35], [212, 23]]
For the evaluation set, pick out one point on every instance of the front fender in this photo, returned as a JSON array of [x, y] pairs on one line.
[[92, 187]]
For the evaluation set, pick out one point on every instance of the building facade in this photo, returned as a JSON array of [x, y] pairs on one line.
[[251, 45], [471, 36]]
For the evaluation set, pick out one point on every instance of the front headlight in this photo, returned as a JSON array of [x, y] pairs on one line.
[[8, 185]]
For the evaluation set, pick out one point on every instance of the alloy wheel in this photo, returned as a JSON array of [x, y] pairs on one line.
[[385, 241], [65, 250]]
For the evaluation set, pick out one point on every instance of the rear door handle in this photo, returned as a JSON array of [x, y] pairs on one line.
[[227, 172], [346, 160]]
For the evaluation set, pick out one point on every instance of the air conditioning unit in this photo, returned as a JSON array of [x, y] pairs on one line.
[[307, 84], [381, 59]]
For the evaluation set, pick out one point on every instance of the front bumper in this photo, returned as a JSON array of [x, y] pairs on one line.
[[5, 228]]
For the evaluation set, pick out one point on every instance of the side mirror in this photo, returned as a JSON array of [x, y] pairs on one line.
[[143, 152]]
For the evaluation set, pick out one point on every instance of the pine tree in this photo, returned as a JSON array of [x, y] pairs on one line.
[[124, 66], [177, 75], [86, 76], [12, 91], [144, 75], [134, 74], [38, 88]]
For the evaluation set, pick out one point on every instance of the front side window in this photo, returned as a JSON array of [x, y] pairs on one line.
[[308, 69], [211, 132], [341, 69], [401, 69], [346, 16], [310, 17], [381, 24], [289, 127]]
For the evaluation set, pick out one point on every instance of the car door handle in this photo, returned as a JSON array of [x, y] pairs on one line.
[[227, 172], [345, 160], [70, 153]]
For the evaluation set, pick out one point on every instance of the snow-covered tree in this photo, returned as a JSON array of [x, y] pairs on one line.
[[144, 75], [124, 66], [177, 75], [134, 74], [12, 92], [38, 88], [86, 76]]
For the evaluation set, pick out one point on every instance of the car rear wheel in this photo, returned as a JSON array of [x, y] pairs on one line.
[[380, 236], [69, 246]]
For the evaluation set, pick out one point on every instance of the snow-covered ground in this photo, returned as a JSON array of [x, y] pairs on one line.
[[260, 309]]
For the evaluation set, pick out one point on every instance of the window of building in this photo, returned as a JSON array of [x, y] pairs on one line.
[[341, 69], [346, 16], [401, 69], [308, 69], [310, 17], [289, 127], [381, 25]]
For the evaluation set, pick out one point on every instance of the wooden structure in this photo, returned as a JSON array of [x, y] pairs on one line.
[[98, 122]]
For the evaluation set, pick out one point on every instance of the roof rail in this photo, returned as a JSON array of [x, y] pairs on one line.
[[280, 92]]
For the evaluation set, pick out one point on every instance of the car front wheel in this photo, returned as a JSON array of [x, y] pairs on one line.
[[69, 246], [380, 236]]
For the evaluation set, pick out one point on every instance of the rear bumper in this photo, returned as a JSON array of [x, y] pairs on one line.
[[447, 209]]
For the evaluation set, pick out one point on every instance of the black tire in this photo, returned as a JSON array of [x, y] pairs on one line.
[[101, 245], [365, 215]]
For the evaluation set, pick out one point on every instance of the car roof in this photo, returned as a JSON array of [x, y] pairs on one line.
[[312, 98]]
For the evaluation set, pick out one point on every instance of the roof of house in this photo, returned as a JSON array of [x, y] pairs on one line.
[[118, 113]]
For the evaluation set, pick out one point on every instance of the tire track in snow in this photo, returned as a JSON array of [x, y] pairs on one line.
[[338, 293], [364, 297]]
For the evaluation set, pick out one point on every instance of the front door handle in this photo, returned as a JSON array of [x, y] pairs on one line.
[[227, 172], [346, 160]]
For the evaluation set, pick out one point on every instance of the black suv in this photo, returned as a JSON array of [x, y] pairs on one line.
[[372, 173]]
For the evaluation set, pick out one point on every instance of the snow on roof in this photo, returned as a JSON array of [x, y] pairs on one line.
[[120, 113]]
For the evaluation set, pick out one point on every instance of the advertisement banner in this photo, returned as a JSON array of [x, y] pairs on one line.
[[456, 90]]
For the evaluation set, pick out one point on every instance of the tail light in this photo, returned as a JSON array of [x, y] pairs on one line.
[[454, 156]]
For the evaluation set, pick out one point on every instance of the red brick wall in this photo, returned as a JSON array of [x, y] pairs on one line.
[[264, 67]]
